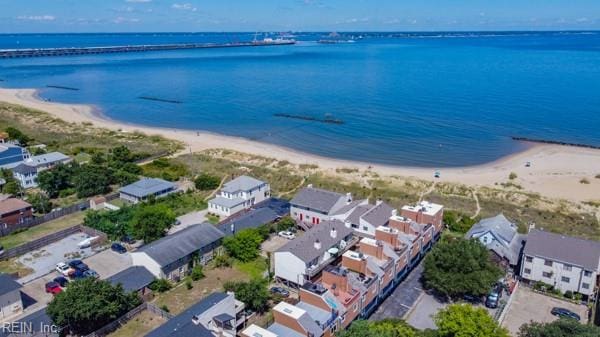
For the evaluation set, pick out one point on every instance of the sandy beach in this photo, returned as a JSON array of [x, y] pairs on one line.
[[555, 172]]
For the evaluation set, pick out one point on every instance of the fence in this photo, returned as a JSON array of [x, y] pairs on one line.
[[8, 229], [39, 243], [110, 327]]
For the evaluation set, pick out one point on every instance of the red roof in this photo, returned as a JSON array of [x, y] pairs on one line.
[[12, 204]]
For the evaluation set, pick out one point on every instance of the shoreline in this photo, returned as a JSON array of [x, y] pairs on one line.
[[555, 172]]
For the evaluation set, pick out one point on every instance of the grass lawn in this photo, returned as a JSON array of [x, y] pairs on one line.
[[139, 326], [254, 269], [39, 231], [180, 298]]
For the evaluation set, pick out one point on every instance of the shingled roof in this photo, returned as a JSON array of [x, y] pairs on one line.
[[567, 249], [316, 199], [241, 183], [304, 246]]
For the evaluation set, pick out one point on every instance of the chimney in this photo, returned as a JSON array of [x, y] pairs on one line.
[[378, 202], [347, 224], [394, 212], [310, 186], [317, 244], [348, 197], [335, 289], [333, 233]]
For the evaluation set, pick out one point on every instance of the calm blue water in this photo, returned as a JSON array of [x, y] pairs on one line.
[[424, 99]]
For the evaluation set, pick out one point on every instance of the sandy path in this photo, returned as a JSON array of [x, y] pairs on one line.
[[556, 170]]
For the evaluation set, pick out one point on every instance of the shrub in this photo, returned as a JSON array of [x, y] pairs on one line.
[[223, 261], [161, 285], [584, 181], [206, 182], [512, 176], [197, 273], [598, 176], [569, 294], [164, 308], [188, 283]]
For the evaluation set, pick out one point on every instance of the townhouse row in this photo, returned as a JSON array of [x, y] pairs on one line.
[[350, 259]]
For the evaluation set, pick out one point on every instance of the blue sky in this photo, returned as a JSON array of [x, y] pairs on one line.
[[283, 15]]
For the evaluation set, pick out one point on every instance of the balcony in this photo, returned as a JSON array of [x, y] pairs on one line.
[[313, 270]]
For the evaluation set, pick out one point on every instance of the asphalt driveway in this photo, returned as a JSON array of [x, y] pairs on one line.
[[403, 298]]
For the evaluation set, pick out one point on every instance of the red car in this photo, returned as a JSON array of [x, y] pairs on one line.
[[53, 288]]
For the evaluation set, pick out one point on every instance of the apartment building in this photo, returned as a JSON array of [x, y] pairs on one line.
[[364, 218], [425, 212], [311, 206], [302, 258], [239, 194], [567, 263]]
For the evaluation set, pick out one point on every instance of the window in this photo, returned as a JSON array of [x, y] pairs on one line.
[[529, 259], [365, 228], [567, 267], [527, 271], [585, 285], [565, 279], [587, 273], [547, 275], [548, 263]]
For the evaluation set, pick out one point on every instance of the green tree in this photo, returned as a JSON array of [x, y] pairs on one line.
[[40, 202], [285, 223], [460, 267], [197, 273], [55, 180], [244, 245], [151, 222], [16, 134], [253, 293], [206, 182], [464, 320], [560, 328], [89, 304], [384, 328], [12, 188], [92, 180]]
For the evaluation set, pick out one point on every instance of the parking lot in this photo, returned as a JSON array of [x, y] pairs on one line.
[[529, 306], [43, 261], [421, 315], [404, 297]]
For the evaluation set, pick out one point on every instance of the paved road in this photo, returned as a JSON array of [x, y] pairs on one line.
[[403, 298]]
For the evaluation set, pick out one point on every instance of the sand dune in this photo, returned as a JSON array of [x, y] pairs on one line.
[[555, 170]]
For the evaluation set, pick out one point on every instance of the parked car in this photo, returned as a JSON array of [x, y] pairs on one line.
[[493, 299], [53, 288], [79, 265], [62, 281], [63, 269], [280, 291], [76, 274], [564, 313], [117, 247], [90, 273], [287, 235]]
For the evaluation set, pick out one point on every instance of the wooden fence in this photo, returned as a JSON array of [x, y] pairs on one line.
[[8, 229], [107, 329]]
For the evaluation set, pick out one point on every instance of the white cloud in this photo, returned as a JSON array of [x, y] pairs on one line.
[[581, 20], [37, 17], [138, 1], [121, 19], [186, 6]]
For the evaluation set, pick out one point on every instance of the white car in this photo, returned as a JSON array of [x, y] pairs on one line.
[[63, 268], [287, 235], [86, 243]]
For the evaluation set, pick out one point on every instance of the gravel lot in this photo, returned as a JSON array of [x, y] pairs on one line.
[[529, 306]]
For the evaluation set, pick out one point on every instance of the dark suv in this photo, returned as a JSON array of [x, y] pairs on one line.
[[564, 313]]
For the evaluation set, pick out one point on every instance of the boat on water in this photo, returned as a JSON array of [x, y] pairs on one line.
[[335, 38]]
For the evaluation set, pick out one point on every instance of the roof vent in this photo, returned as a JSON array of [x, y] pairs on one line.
[[196, 319], [333, 233], [310, 186], [348, 197], [394, 212], [317, 244]]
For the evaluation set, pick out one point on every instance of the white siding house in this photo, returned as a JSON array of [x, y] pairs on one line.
[[239, 194], [567, 263]]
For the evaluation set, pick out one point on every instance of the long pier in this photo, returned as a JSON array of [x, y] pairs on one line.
[[41, 52]]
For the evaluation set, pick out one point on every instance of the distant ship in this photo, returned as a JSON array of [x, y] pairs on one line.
[[335, 38]]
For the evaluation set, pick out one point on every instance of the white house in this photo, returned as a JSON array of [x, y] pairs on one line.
[[298, 260], [10, 297], [27, 171], [239, 194], [567, 263], [311, 206], [500, 236], [26, 175]]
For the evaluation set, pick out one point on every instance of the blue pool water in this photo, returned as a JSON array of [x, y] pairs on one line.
[[425, 100]]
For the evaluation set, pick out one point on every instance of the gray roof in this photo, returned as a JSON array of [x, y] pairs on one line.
[[316, 199], [252, 219], [147, 186], [567, 249], [8, 284], [378, 215], [24, 169], [225, 202], [304, 246], [350, 206], [133, 278], [284, 331], [181, 244], [182, 325], [242, 183], [354, 217], [498, 225], [47, 158]]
